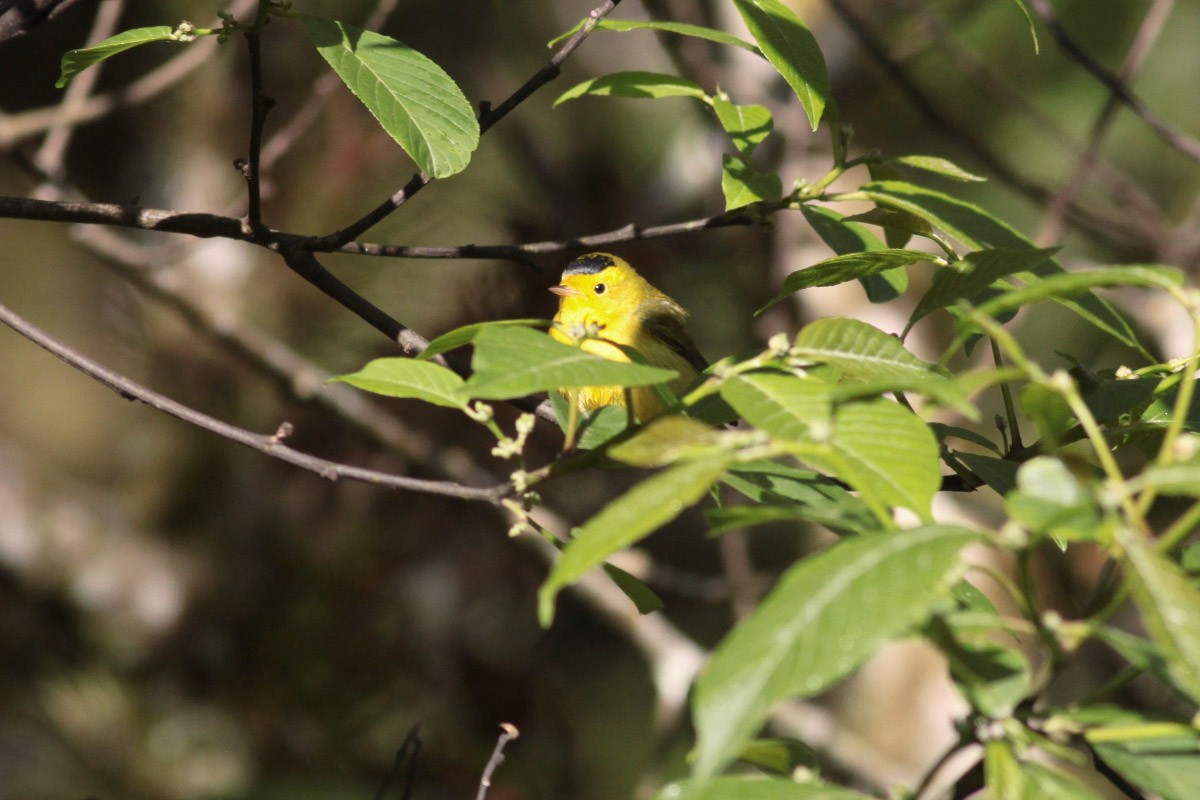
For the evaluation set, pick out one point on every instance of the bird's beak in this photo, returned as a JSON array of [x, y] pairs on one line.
[[563, 290]]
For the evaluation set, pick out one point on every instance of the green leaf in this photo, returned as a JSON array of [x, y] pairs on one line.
[[944, 432], [1170, 607], [415, 101], [827, 615], [406, 377], [1156, 755], [840, 269], [993, 678], [638, 85], [845, 236], [747, 126], [1050, 500], [1176, 480], [598, 426], [1048, 411], [642, 596], [682, 28], [76, 61], [977, 228], [781, 756], [1057, 287], [1109, 399], [755, 787], [466, 334], [938, 166], [998, 473], [782, 492], [667, 440], [742, 186], [634, 515], [791, 49], [517, 361], [967, 279], [861, 351], [784, 405], [883, 451], [1021, 4]]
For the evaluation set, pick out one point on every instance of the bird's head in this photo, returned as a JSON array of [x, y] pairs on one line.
[[602, 284]]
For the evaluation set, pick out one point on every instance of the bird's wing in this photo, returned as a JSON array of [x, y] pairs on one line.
[[665, 325]]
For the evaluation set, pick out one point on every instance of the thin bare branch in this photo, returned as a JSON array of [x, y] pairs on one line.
[[508, 732], [271, 445], [487, 119], [1178, 140]]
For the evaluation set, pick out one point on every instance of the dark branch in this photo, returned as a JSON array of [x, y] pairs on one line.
[[19, 18], [1180, 141], [270, 445]]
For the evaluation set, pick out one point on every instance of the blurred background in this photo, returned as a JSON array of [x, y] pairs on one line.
[[181, 617]]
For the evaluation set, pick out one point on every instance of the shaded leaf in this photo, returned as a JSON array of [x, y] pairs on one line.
[[791, 49], [633, 84], [632, 516], [1070, 284], [781, 756], [415, 101], [827, 615], [998, 473], [516, 361], [406, 377], [846, 236], [642, 596]]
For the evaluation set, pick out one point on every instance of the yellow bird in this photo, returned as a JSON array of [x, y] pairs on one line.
[[604, 292]]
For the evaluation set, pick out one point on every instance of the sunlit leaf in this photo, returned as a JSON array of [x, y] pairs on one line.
[[406, 377], [791, 49], [827, 615], [633, 84], [668, 439], [466, 334], [516, 361], [784, 405], [861, 350], [846, 268], [415, 101], [978, 270], [632, 516], [938, 166], [681, 28], [1072, 284], [755, 787], [76, 61], [742, 185], [747, 126]]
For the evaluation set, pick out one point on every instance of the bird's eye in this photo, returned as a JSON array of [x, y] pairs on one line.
[[599, 288]]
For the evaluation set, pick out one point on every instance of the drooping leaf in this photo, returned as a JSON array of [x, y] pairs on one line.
[[406, 377], [635, 85], [747, 126], [516, 361], [76, 61], [415, 101], [846, 268], [466, 334], [978, 270], [742, 185], [1169, 604], [998, 473], [827, 615], [782, 491], [791, 49], [682, 28], [632, 516]]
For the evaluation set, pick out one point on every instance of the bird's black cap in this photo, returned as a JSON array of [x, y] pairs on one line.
[[589, 264]]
